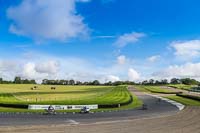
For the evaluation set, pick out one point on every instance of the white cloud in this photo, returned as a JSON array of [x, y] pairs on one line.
[[6, 65], [50, 67], [128, 38], [133, 75], [191, 70], [47, 19], [121, 59], [187, 50], [40, 66], [29, 71], [112, 78], [9, 68], [153, 58]]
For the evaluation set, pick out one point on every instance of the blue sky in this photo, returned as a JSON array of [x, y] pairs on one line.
[[99, 39]]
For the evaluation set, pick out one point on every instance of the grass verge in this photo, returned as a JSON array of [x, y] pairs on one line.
[[154, 89], [185, 101]]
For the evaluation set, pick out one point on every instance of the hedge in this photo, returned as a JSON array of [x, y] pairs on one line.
[[22, 106]]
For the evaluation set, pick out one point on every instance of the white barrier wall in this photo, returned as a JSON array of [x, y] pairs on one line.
[[62, 107]]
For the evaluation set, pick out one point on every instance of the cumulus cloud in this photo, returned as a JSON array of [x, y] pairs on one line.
[[121, 59], [44, 66], [191, 70], [133, 75], [39, 70], [50, 67], [153, 58], [112, 78], [6, 65], [47, 19], [128, 38], [187, 50], [29, 71], [9, 68]]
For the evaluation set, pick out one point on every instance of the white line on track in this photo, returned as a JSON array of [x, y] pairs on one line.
[[72, 122]]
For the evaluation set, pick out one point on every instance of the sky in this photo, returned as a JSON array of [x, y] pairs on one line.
[[107, 40]]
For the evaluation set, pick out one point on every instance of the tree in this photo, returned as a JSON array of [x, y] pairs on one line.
[[157, 82], [174, 81], [95, 82], [71, 82], [108, 83], [144, 82], [78, 83], [44, 81], [32, 81], [17, 80], [164, 81], [151, 81], [1, 80], [189, 81], [26, 81]]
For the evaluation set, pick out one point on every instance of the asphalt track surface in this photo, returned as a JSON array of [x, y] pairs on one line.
[[160, 117]]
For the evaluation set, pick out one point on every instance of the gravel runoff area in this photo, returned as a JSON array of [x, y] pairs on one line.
[[159, 118]]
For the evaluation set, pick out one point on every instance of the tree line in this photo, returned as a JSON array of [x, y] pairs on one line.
[[186, 81], [73, 82], [19, 80]]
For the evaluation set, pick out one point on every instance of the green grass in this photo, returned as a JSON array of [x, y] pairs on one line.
[[153, 89], [21, 94], [64, 95], [185, 101], [137, 103], [181, 86]]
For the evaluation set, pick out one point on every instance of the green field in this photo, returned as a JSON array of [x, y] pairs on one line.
[[153, 89], [22, 94], [159, 90], [181, 86]]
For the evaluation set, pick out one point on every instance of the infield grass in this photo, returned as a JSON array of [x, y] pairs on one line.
[[64, 95]]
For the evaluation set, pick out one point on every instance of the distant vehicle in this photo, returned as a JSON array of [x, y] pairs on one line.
[[50, 110], [85, 110]]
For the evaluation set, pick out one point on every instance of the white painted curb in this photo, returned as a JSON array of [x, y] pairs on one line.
[[178, 105]]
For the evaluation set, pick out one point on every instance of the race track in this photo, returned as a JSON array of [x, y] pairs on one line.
[[159, 117]]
